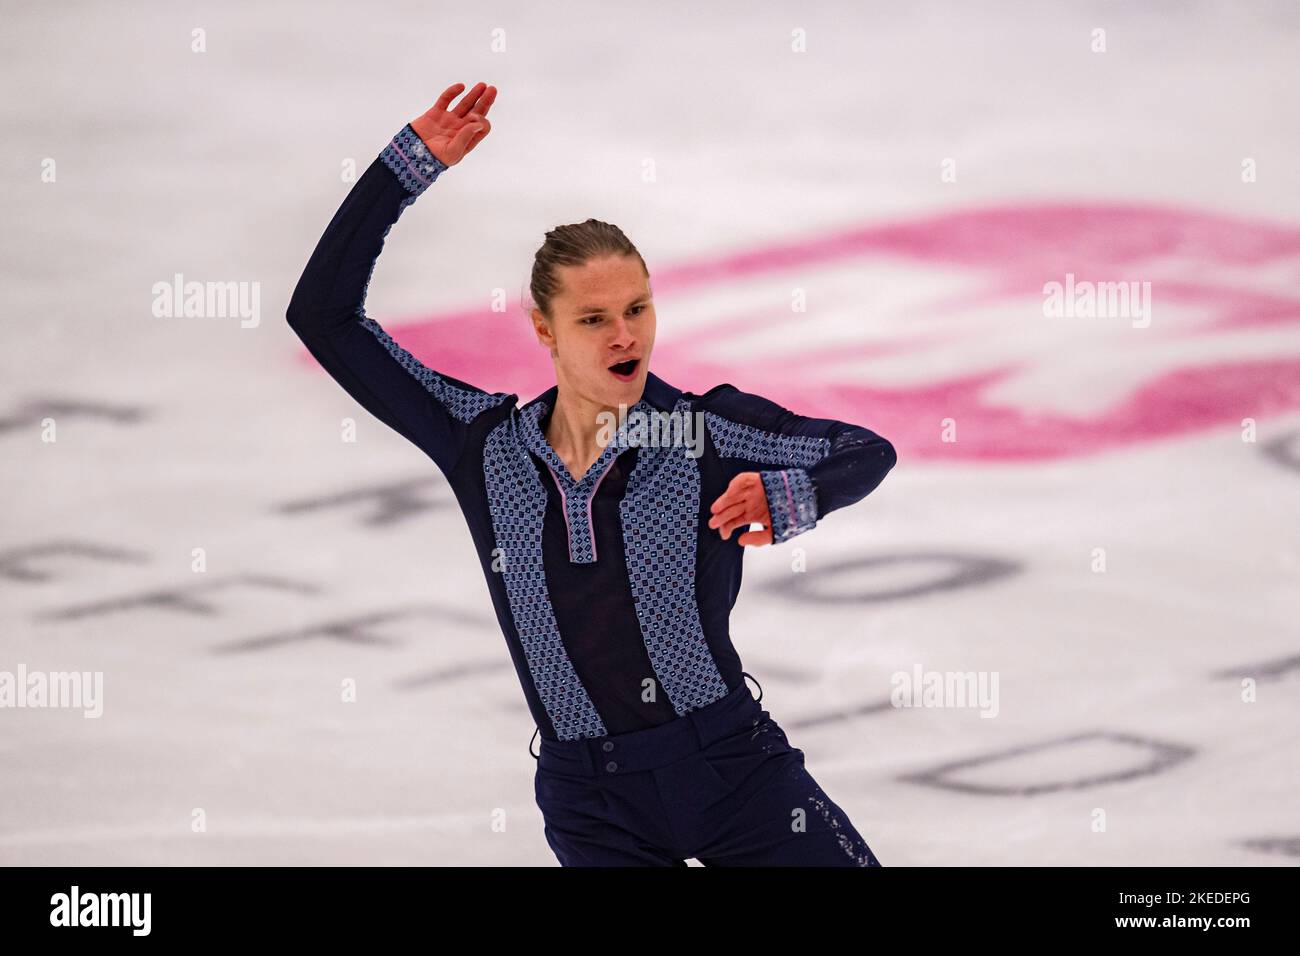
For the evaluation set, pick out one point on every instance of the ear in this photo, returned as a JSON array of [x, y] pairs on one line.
[[542, 328]]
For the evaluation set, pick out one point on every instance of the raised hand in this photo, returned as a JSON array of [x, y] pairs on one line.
[[451, 133], [743, 503]]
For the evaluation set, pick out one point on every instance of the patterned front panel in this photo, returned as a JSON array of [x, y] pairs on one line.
[[518, 504], [660, 516], [577, 495], [464, 404], [735, 440]]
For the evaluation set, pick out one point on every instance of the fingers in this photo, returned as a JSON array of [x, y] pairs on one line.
[[725, 500], [742, 525], [460, 143], [730, 519], [737, 492], [447, 95], [739, 514], [478, 100], [729, 513], [468, 100], [743, 503], [744, 488], [484, 127], [728, 525]]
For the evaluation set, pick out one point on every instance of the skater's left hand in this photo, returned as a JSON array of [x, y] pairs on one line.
[[451, 133], [742, 504]]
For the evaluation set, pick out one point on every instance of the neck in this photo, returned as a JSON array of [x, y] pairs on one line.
[[576, 425]]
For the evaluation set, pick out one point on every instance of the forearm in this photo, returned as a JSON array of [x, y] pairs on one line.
[[332, 289], [855, 463], [327, 312], [809, 467]]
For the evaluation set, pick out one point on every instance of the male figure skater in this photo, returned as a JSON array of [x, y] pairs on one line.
[[608, 552]]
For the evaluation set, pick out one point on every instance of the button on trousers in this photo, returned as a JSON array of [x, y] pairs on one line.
[[721, 785]]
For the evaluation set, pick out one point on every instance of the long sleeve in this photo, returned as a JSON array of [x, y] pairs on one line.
[[327, 311], [809, 466]]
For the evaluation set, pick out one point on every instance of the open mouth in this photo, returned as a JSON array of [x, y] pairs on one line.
[[625, 370]]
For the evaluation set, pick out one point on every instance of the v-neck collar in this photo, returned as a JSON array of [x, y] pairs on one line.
[[576, 497], [536, 441], [657, 394]]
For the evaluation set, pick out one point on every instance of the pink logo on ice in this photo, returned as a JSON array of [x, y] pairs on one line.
[[911, 323]]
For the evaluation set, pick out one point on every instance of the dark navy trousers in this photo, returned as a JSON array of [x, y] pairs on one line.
[[721, 785]]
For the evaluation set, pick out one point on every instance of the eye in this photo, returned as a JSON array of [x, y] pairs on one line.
[[590, 320], [637, 309]]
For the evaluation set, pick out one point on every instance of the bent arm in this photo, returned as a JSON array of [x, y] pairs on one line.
[[809, 466], [327, 311]]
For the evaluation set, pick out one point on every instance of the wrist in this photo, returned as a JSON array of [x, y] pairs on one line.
[[411, 161], [791, 502]]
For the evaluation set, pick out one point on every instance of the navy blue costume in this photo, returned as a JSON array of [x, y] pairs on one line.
[[611, 590]]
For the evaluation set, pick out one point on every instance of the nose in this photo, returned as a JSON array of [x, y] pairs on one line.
[[622, 335]]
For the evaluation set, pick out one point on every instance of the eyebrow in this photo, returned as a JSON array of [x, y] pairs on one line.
[[600, 308]]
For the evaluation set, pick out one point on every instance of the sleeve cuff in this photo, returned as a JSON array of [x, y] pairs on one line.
[[410, 160], [792, 502]]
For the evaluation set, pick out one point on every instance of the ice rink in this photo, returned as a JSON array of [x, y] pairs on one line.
[[852, 209]]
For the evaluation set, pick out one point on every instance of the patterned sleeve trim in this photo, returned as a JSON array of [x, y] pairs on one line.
[[465, 405], [411, 161], [792, 501], [734, 440]]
